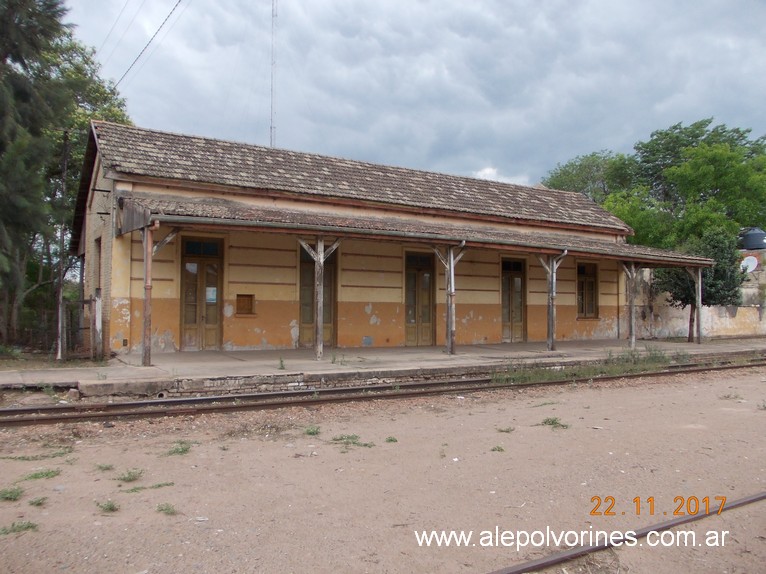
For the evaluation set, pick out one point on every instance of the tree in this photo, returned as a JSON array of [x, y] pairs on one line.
[[665, 149], [649, 218], [728, 176], [720, 284], [595, 175], [49, 90]]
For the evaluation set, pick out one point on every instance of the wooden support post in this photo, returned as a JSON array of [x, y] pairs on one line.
[[696, 275], [319, 254], [146, 357], [449, 260], [631, 273], [551, 265], [319, 299]]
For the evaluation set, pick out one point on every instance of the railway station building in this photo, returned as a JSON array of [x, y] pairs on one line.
[[190, 243]]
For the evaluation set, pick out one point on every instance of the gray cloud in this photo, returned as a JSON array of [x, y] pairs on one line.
[[498, 89]]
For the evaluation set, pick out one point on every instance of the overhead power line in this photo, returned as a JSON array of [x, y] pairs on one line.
[[148, 43], [101, 47]]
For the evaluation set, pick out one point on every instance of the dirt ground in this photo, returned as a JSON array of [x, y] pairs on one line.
[[253, 492]]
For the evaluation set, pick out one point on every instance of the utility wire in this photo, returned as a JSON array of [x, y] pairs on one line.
[[149, 42], [125, 31], [158, 43], [108, 34]]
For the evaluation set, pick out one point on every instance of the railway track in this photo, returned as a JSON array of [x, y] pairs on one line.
[[80, 412]]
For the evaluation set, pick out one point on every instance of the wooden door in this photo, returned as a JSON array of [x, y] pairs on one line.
[[308, 298], [201, 296], [419, 300], [513, 301]]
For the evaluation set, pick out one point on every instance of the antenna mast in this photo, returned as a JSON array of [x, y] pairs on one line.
[[272, 127]]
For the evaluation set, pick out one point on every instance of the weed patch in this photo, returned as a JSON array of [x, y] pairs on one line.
[[18, 527], [497, 448], [391, 439], [130, 475], [63, 451], [39, 501], [48, 473], [554, 423], [108, 506], [167, 508], [153, 486], [180, 448], [507, 429], [12, 493], [627, 362], [351, 440], [312, 430], [104, 467]]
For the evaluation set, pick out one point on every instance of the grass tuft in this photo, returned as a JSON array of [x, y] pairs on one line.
[[48, 473], [12, 493], [497, 448], [22, 526], [167, 509], [554, 423], [351, 440], [507, 429], [181, 447], [391, 439], [131, 475], [39, 501], [32, 458], [104, 467], [312, 430], [108, 506], [154, 486]]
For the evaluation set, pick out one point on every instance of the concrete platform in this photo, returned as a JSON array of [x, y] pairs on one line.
[[249, 371]]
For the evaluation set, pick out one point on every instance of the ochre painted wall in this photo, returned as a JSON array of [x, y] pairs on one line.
[[370, 309]]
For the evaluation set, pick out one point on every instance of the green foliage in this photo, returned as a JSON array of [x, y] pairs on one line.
[[12, 493], [554, 423], [48, 473], [688, 187], [720, 284], [15, 527], [108, 506], [650, 219], [179, 448], [131, 475], [595, 175], [50, 89], [167, 509]]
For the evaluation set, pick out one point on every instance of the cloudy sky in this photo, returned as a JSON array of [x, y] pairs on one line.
[[504, 89]]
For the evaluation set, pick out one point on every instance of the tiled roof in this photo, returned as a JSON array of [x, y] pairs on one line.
[[209, 211], [142, 152]]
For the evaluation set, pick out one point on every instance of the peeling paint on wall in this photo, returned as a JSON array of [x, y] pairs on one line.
[[228, 310], [374, 320], [295, 331]]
